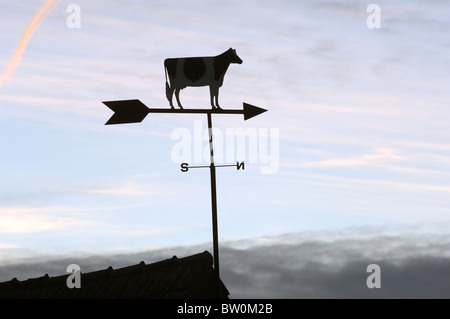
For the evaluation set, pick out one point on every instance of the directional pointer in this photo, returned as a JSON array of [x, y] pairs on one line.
[[134, 111]]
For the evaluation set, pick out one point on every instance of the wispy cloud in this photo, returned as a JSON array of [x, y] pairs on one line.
[[19, 220], [379, 155], [382, 184], [8, 246], [130, 189]]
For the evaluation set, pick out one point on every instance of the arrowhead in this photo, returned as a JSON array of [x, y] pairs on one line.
[[251, 111], [126, 111]]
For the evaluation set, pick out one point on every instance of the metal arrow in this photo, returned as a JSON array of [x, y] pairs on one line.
[[134, 111]]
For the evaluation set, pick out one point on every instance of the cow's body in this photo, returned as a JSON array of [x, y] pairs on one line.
[[198, 71]]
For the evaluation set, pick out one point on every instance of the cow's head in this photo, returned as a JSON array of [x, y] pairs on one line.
[[233, 56]]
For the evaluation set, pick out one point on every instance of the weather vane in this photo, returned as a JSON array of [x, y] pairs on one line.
[[181, 73]]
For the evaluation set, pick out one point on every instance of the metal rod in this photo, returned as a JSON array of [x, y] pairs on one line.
[[213, 197], [204, 166], [195, 111]]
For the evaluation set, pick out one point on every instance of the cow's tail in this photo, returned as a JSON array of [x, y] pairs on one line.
[[169, 90]]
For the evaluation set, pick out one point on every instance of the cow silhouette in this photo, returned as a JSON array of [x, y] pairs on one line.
[[198, 71]]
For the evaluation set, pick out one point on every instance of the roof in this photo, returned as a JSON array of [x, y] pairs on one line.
[[183, 278]]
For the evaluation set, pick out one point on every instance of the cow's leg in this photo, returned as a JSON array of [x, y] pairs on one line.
[[214, 93], [217, 99], [169, 94], [211, 94], [177, 95]]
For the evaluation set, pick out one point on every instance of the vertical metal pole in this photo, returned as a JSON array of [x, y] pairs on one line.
[[213, 197]]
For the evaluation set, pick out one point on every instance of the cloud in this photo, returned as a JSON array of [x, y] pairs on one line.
[[132, 189], [299, 265], [308, 265], [20, 220], [354, 8], [8, 246], [316, 269], [414, 278], [379, 155]]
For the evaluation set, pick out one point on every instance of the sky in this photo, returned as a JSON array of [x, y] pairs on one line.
[[350, 165]]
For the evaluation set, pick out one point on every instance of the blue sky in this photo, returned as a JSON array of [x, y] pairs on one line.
[[361, 115]]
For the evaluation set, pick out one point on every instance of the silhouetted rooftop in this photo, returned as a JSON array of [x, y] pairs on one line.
[[189, 277]]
